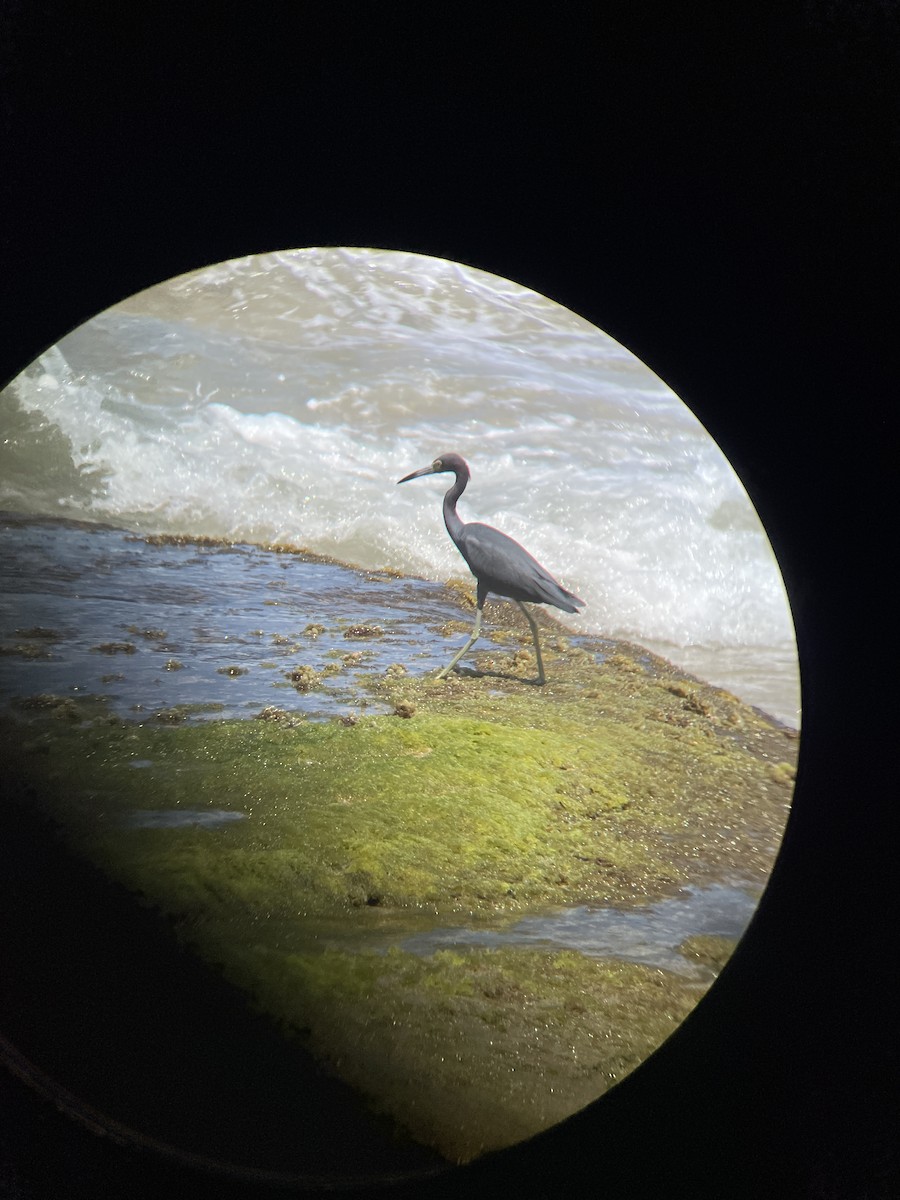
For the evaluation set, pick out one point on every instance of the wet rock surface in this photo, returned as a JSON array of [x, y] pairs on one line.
[[370, 798]]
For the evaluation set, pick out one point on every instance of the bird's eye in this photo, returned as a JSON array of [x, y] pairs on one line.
[[437, 464]]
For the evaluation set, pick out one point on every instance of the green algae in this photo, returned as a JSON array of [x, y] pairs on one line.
[[152, 635], [114, 648], [25, 650], [477, 797], [304, 678], [709, 949], [473, 811], [476, 1050], [49, 704]]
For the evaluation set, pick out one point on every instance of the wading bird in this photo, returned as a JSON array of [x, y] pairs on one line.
[[499, 564]]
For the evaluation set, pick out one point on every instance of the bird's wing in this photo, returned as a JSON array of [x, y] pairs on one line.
[[507, 569]]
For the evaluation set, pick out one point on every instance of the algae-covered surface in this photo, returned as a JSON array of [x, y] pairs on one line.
[[485, 800], [289, 852]]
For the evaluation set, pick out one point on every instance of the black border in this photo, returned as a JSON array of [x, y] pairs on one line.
[[715, 188]]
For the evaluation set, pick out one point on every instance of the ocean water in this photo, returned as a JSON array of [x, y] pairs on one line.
[[279, 397]]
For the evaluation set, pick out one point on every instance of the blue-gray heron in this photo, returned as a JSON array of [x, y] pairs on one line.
[[499, 564]]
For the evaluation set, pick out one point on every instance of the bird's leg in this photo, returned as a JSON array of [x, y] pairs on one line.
[[537, 644], [471, 642]]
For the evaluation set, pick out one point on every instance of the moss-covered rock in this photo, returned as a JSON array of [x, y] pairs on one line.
[[472, 1050], [475, 797], [478, 802], [709, 949]]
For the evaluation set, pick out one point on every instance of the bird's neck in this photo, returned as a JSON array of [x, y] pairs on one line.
[[451, 517]]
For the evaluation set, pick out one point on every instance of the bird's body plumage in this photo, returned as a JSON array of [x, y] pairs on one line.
[[500, 565], [522, 577]]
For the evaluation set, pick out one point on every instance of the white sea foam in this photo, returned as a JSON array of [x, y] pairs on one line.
[[279, 398]]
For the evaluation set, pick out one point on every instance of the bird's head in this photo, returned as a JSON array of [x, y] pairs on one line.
[[453, 463]]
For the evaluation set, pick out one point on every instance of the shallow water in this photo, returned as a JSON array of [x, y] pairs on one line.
[[649, 934], [179, 818], [643, 933], [213, 630]]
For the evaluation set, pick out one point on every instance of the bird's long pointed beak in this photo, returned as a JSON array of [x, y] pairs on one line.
[[415, 474]]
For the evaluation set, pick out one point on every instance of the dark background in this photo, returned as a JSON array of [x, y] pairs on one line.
[[716, 186]]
